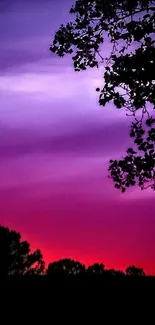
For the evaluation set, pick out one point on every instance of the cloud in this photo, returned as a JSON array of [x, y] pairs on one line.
[[55, 143], [77, 225], [51, 79], [136, 193], [14, 58], [83, 138]]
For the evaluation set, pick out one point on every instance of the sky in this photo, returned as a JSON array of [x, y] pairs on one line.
[[55, 145]]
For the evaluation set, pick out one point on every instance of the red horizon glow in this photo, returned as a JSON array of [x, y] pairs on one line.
[[55, 145]]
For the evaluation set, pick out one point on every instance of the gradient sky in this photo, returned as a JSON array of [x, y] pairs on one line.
[[55, 144]]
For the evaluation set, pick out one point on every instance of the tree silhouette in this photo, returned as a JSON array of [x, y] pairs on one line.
[[15, 255], [65, 267], [113, 272], [137, 167], [97, 269], [129, 71], [134, 271]]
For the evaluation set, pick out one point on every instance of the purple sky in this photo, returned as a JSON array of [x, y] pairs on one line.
[[55, 145]]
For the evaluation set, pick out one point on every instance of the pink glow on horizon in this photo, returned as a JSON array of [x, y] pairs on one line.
[[55, 146]]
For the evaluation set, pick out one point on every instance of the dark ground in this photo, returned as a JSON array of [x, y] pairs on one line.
[[77, 300], [82, 283]]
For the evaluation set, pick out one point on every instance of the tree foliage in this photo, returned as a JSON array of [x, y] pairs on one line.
[[96, 269], [16, 259], [115, 273], [129, 70], [134, 271], [68, 267], [15, 255], [136, 166], [65, 267]]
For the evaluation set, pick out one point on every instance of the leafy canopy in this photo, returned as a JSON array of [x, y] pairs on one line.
[[97, 269], [134, 271], [65, 266], [15, 255], [129, 70]]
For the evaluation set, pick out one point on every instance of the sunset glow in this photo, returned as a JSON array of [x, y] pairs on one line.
[[55, 145]]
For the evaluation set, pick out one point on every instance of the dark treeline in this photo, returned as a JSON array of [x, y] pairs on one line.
[[20, 267], [128, 73]]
